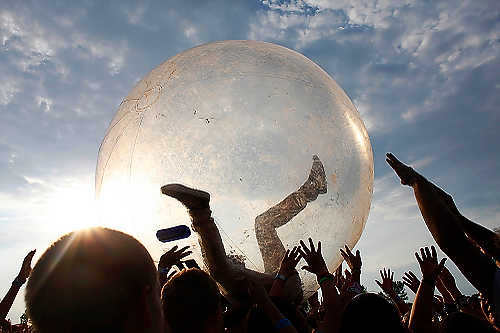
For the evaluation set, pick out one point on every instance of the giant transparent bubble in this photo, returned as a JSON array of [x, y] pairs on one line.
[[241, 120]]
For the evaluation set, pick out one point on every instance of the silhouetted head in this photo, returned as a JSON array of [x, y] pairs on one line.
[[95, 280], [192, 303], [371, 313], [463, 322]]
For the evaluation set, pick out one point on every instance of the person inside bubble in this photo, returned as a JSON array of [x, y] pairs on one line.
[[230, 276]]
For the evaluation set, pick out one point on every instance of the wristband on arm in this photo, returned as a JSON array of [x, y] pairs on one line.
[[282, 323], [324, 278], [280, 277], [164, 270]]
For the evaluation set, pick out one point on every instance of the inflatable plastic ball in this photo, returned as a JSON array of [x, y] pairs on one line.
[[270, 135]]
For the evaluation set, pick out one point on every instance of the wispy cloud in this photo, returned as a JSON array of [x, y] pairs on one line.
[[423, 75]]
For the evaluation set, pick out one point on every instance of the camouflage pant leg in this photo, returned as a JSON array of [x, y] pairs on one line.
[[271, 247]]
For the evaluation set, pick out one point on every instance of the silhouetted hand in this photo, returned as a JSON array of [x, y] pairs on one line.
[[348, 276], [172, 257], [411, 281], [289, 262], [25, 271], [315, 262], [446, 277], [428, 264], [405, 173], [354, 261], [338, 279], [387, 284]]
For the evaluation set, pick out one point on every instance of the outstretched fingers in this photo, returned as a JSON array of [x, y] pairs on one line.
[[295, 256], [441, 265], [412, 275], [311, 244], [304, 251], [172, 250], [418, 258], [285, 257], [433, 250], [428, 253]]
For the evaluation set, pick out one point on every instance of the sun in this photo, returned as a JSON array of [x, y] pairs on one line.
[[70, 206]]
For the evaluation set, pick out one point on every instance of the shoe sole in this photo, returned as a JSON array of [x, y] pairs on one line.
[[172, 189], [323, 189]]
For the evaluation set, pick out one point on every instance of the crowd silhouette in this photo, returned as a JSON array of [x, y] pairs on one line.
[[102, 280]]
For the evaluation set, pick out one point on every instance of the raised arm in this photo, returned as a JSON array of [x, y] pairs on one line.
[[287, 269], [387, 286], [169, 259], [331, 299], [421, 312], [260, 297], [21, 278], [354, 263], [411, 281]]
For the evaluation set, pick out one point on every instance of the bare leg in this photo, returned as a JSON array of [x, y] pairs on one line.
[[270, 245], [445, 226], [487, 240]]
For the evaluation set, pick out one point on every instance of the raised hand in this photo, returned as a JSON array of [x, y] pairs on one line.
[[25, 271], [447, 278], [289, 262], [387, 282], [172, 257], [354, 261], [405, 173], [429, 265], [314, 259], [411, 281]]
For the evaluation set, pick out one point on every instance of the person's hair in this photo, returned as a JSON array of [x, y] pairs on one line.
[[370, 313], [463, 322], [89, 281], [189, 299]]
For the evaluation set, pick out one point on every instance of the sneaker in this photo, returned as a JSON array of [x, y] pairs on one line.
[[317, 175], [191, 198]]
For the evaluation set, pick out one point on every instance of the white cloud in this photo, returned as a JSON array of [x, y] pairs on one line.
[[8, 89], [422, 162], [135, 15], [294, 25], [372, 123], [113, 53], [44, 103], [38, 43]]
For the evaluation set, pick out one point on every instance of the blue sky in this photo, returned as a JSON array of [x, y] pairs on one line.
[[424, 75]]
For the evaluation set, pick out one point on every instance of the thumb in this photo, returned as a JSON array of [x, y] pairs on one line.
[[307, 268], [379, 284], [440, 266]]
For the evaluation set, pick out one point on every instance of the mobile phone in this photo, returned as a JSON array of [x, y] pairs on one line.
[[174, 233]]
